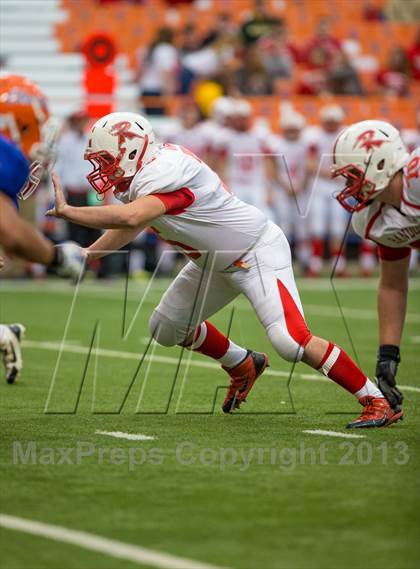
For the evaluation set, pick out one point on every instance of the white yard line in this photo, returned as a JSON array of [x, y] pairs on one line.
[[333, 434], [146, 291], [55, 347], [103, 545], [128, 436]]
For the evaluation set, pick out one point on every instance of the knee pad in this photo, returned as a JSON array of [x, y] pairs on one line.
[[287, 348], [165, 331]]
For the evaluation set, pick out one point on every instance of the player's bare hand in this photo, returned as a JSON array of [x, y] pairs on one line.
[[1, 263], [60, 201]]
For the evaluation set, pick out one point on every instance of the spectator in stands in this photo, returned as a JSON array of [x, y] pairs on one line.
[[224, 26], [413, 55], [277, 53], [251, 78], [373, 12], [342, 78], [259, 24], [72, 170], [321, 50], [158, 66], [312, 82], [189, 43], [394, 78], [219, 60], [189, 40]]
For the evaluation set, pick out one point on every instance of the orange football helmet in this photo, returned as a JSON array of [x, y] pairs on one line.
[[23, 112]]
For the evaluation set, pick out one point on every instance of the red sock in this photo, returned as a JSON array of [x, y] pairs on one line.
[[317, 247], [338, 366], [209, 341]]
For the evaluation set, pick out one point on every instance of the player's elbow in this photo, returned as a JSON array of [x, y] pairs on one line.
[[133, 220]]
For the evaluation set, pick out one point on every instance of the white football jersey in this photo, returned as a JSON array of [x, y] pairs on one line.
[[411, 138], [388, 225], [321, 144], [192, 138], [202, 215], [290, 156], [212, 132], [245, 169]]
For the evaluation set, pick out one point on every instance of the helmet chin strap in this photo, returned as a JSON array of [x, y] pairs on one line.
[[123, 185]]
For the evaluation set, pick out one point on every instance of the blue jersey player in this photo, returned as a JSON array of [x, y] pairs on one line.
[[24, 155]]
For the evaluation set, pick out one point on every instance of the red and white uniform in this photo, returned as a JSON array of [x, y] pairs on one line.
[[326, 214], [245, 170], [198, 207], [411, 138], [195, 138], [234, 250], [291, 211], [396, 230], [211, 132]]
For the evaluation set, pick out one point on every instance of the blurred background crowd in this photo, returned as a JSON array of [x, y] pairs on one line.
[[259, 89]]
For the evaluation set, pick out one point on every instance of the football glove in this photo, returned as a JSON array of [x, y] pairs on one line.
[[386, 371], [10, 353], [69, 260]]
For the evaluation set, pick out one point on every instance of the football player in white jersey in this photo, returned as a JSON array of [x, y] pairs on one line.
[[326, 217], [411, 139], [232, 247], [241, 161], [190, 132], [215, 127], [383, 194], [288, 189], [411, 136]]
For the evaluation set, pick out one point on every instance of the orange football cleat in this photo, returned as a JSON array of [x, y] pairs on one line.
[[377, 412], [243, 377]]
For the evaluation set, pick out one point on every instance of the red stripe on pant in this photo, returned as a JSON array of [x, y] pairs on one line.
[[295, 323]]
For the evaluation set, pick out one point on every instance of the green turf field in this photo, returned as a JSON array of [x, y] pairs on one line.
[[250, 490]]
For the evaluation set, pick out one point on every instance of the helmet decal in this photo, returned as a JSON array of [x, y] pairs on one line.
[[366, 141], [121, 129]]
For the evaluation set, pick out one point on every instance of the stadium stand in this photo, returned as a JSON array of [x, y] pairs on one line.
[[52, 56]]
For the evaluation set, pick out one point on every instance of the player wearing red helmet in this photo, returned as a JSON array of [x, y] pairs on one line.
[[383, 193], [233, 249]]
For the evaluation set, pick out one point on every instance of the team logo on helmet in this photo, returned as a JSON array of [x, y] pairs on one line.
[[122, 130], [367, 141]]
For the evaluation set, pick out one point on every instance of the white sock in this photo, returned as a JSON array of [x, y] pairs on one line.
[[211, 342], [369, 389], [233, 356], [3, 331]]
